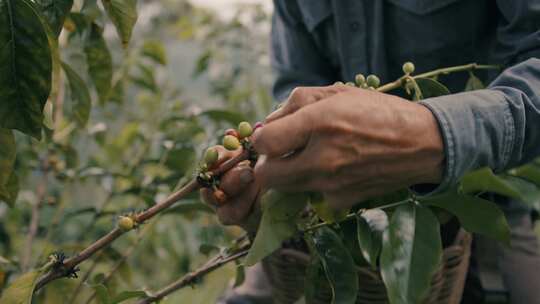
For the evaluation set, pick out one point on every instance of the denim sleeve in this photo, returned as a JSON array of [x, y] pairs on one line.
[[295, 58], [498, 127]]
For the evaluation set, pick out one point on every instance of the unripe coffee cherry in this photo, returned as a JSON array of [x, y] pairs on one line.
[[232, 132], [125, 223], [360, 80], [231, 143], [350, 84], [373, 81], [220, 196], [245, 129], [338, 83], [408, 68], [211, 156]]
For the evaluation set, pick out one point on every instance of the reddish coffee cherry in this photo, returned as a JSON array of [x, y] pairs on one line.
[[408, 68], [211, 156], [125, 223], [220, 196], [231, 143], [232, 132], [245, 129]]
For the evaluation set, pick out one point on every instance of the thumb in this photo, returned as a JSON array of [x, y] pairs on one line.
[[284, 135]]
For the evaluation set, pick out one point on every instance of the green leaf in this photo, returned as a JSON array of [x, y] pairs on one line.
[[277, 224], [7, 156], [530, 172], [206, 249], [55, 12], [123, 14], [10, 191], [145, 78], [20, 291], [102, 293], [316, 284], [476, 215], [431, 88], [338, 265], [324, 211], [25, 67], [234, 118], [411, 253], [99, 62], [474, 83], [484, 180], [370, 227], [80, 97], [126, 295], [240, 275], [155, 50], [202, 63]]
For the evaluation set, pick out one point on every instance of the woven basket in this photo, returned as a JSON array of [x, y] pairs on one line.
[[286, 271]]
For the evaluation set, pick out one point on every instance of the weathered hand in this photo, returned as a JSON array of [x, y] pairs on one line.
[[351, 144], [240, 188]]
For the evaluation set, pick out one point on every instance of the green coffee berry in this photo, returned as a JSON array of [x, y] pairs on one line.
[[408, 67], [350, 83], [230, 142], [373, 81], [125, 223], [211, 156], [338, 83], [245, 129], [360, 80]]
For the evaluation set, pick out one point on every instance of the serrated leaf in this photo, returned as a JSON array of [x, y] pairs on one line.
[[411, 254], [55, 12], [277, 224], [431, 88], [324, 211], [155, 50], [370, 227], [338, 265], [99, 62], [25, 67], [476, 215], [474, 83], [484, 180], [21, 289], [123, 14], [80, 97]]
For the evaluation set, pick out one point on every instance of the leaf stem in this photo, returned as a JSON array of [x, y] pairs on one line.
[[443, 71]]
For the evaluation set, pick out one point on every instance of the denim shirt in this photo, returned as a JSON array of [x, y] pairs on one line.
[[318, 42]]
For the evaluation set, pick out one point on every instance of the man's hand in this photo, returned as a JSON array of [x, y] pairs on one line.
[[351, 144], [240, 188]]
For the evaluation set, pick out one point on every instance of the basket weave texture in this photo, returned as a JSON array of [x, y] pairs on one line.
[[286, 271]]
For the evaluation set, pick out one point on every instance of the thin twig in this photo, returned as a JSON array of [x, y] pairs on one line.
[[460, 68], [195, 276], [69, 264]]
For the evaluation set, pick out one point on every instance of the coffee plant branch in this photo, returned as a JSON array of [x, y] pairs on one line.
[[68, 266], [193, 277], [443, 71]]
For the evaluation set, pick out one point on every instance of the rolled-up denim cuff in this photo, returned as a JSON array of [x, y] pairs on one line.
[[477, 129]]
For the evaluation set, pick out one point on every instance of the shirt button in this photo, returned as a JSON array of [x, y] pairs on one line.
[[354, 26]]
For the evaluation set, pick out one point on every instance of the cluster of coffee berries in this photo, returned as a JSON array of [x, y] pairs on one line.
[[234, 137], [370, 82]]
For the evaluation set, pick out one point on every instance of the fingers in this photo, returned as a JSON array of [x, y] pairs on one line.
[[287, 174], [303, 96], [237, 179], [283, 136]]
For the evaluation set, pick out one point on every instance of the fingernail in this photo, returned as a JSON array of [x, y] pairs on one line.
[[246, 176]]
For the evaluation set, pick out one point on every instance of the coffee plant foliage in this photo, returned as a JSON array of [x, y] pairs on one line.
[[107, 107]]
